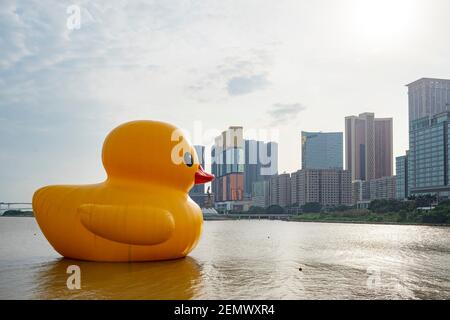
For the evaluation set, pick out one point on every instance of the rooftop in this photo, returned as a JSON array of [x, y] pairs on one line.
[[426, 79]]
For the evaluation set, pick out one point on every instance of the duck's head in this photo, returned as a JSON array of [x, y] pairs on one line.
[[152, 151]]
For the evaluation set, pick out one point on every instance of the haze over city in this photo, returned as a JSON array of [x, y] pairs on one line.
[[284, 65]]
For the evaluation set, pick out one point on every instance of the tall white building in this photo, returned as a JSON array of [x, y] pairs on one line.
[[428, 97]]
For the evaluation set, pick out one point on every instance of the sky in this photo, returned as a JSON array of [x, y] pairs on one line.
[[275, 67]]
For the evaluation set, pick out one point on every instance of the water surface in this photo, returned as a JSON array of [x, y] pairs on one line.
[[244, 260]]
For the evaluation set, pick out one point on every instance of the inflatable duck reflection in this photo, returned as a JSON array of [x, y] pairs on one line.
[[142, 212]]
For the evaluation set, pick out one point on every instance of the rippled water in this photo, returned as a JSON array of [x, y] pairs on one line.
[[244, 260]]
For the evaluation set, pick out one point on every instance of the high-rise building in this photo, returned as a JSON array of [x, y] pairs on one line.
[[368, 146], [280, 190], [322, 150], [261, 194], [261, 161], [428, 158], [375, 189], [401, 164], [428, 97], [238, 164], [329, 187], [429, 155], [382, 188], [227, 164], [360, 191], [199, 188], [197, 193]]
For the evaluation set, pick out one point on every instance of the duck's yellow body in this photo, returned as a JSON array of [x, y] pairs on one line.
[[142, 212]]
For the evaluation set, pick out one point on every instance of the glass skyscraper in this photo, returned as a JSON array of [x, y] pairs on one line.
[[401, 164], [429, 116], [237, 164], [261, 161], [227, 164], [428, 159], [322, 150]]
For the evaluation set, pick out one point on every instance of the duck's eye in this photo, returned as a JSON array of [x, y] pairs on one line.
[[188, 160]]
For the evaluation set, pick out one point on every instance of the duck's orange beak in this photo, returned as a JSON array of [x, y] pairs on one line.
[[201, 176]]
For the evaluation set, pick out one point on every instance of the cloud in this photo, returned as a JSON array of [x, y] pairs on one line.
[[282, 112], [244, 85], [12, 39], [232, 72]]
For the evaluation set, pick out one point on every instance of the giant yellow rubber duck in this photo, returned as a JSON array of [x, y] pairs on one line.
[[142, 212]]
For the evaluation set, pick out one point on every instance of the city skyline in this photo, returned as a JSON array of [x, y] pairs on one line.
[[283, 172], [369, 159], [272, 65]]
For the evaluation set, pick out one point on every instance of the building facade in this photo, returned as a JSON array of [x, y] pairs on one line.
[[382, 188], [375, 189], [428, 97], [322, 150], [401, 164], [261, 162], [237, 164], [261, 194], [360, 191], [280, 190], [198, 189], [329, 187], [368, 146], [233, 206], [428, 158], [227, 164], [203, 199], [197, 192]]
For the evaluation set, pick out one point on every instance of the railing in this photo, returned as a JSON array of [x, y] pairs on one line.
[[254, 216]]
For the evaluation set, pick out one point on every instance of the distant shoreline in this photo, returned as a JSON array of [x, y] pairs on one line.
[[24, 215], [231, 218], [294, 219], [375, 223]]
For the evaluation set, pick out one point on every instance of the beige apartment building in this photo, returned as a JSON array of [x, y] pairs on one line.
[[376, 189], [280, 190], [329, 187]]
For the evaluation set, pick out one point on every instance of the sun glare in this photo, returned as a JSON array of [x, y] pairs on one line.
[[383, 19]]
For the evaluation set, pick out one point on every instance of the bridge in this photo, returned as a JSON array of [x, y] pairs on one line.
[[21, 206]]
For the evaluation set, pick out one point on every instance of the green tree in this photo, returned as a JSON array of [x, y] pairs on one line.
[[424, 200], [256, 210], [386, 206], [340, 208], [312, 207], [18, 213], [440, 214], [275, 209]]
